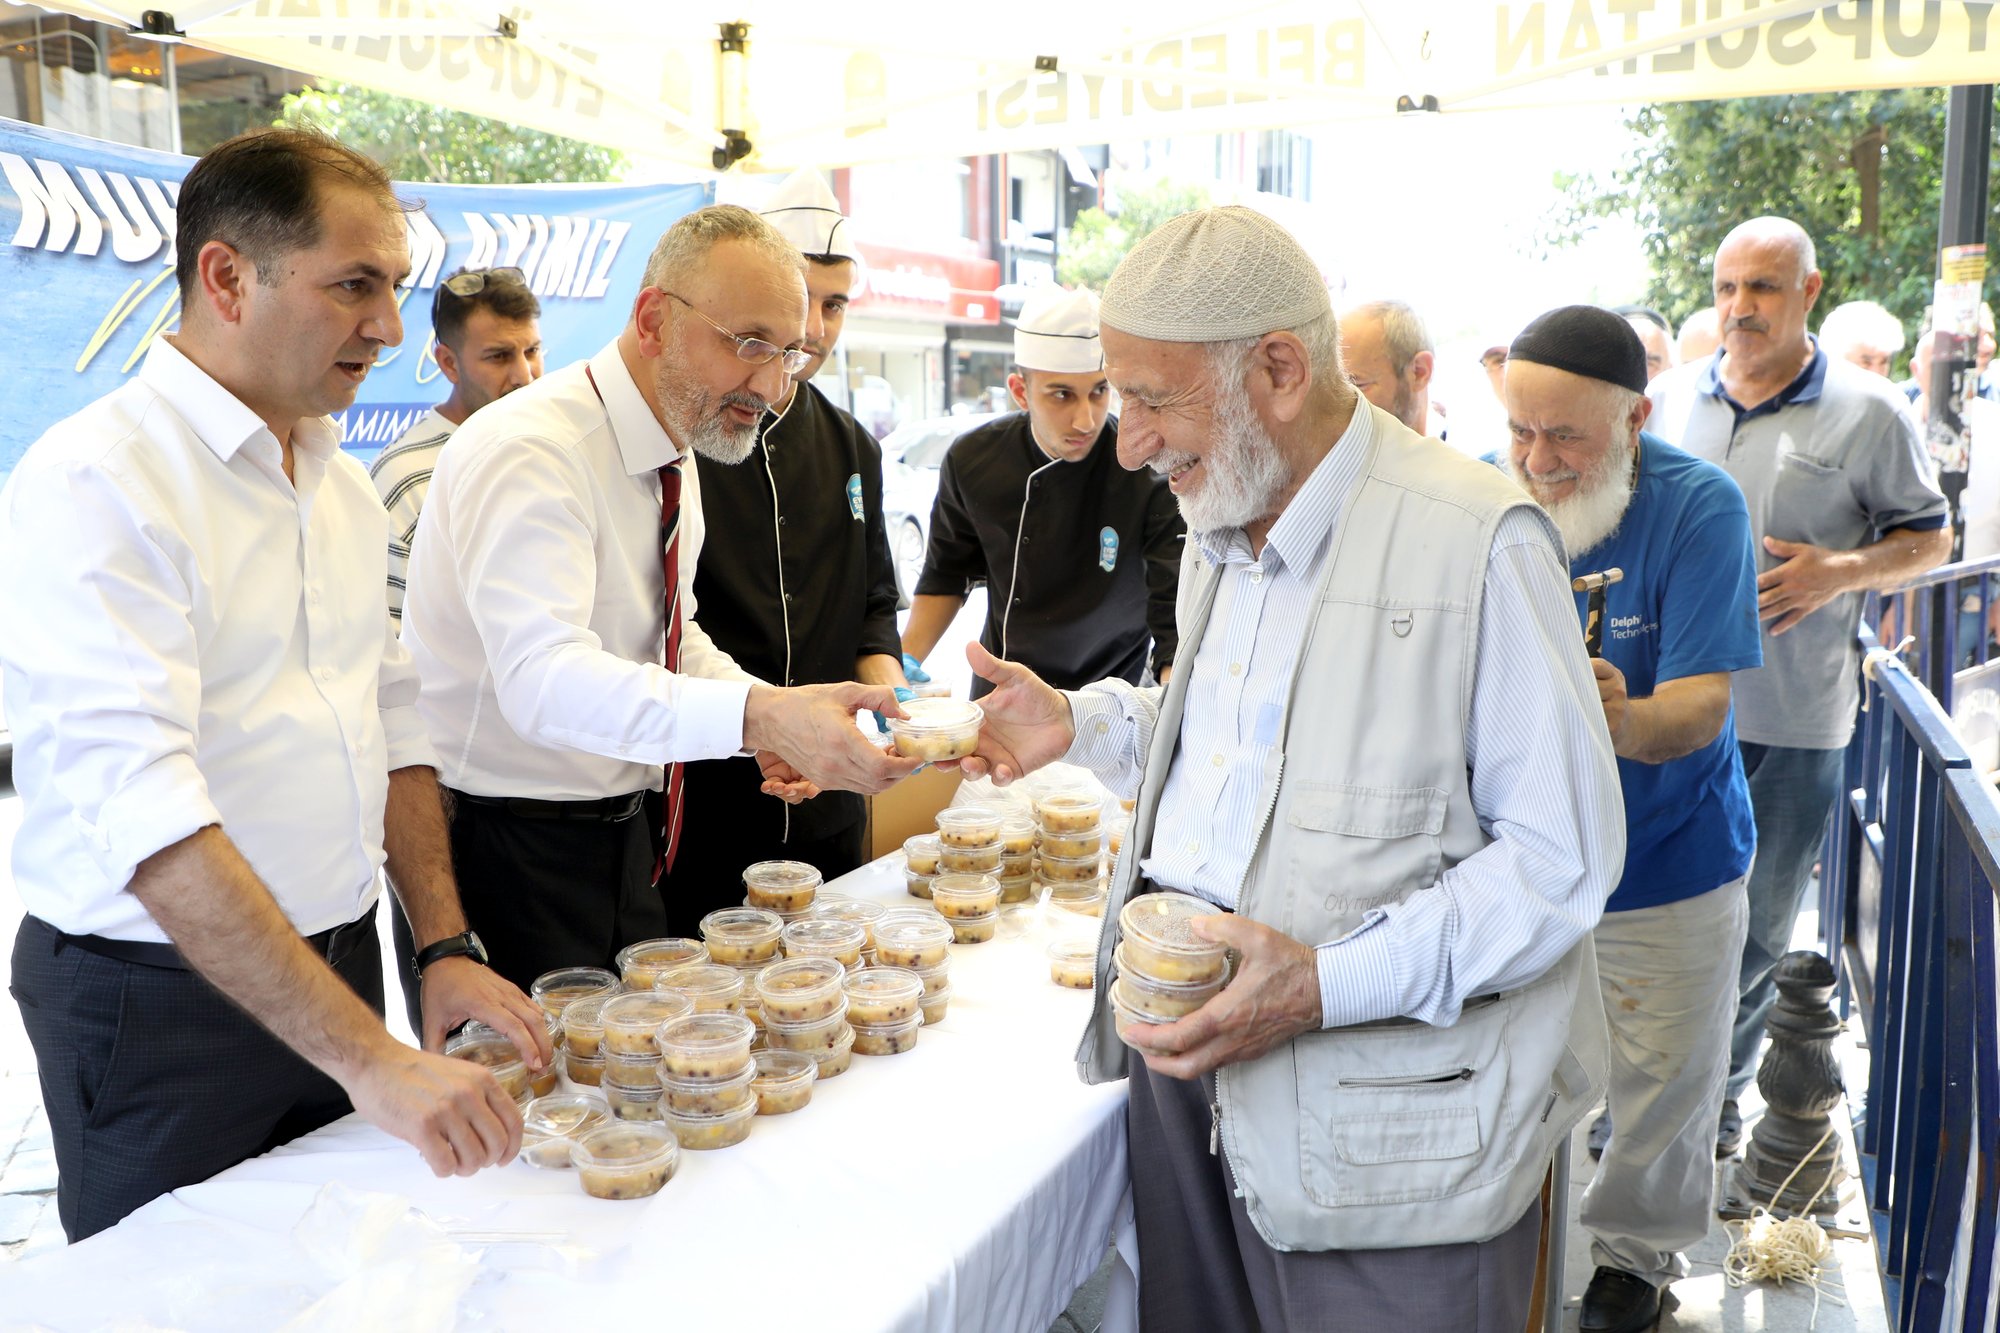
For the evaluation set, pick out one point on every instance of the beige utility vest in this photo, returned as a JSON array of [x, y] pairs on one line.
[[1396, 1133]]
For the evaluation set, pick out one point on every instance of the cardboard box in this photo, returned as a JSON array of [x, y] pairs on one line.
[[908, 808]]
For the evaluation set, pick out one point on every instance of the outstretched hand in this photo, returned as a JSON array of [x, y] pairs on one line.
[[1028, 722]]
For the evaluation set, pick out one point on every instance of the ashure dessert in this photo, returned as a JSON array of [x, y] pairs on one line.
[[887, 1038], [922, 854], [1017, 836], [813, 1038], [912, 941], [739, 935], [1161, 1001], [711, 988], [625, 1161], [960, 896], [783, 1081], [834, 1062], [800, 990], [705, 1046], [1068, 869], [1073, 963], [549, 1123], [981, 860], [968, 826], [640, 965], [937, 730], [583, 1026], [1073, 846], [711, 1097], [858, 910], [703, 1133], [881, 996], [1068, 811], [631, 1020], [821, 937], [632, 1101], [781, 886], [974, 929], [934, 1004], [554, 990], [498, 1057], [1159, 943]]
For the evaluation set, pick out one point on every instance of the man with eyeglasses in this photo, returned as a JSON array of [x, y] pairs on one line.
[[486, 323], [808, 596], [552, 613]]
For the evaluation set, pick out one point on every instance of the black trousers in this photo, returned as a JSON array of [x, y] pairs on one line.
[[549, 893], [153, 1079], [727, 824]]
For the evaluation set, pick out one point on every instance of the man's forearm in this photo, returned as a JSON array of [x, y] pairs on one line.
[[931, 615], [1901, 555], [230, 930], [1672, 724], [879, 669], [419, 856]]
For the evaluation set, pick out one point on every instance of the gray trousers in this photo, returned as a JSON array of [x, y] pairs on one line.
[[1204, 1269]]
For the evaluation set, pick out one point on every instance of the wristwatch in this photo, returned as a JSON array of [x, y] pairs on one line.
[[466, 945]]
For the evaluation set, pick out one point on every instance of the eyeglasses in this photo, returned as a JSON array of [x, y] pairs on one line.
[[754, 350], [472, 283]]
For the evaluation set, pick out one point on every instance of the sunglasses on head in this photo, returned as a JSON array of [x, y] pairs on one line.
[[471, 283]]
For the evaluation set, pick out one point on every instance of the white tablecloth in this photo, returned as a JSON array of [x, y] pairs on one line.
[[972, 1183]]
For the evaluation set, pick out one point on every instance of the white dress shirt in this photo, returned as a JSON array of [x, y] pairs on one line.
[[535, 609], [188, 639], [1533, 741]]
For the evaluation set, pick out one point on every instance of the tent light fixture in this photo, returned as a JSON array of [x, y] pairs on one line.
[[1045, 65], [1427, 105], [507, 27], [732, 56], [159, 25]]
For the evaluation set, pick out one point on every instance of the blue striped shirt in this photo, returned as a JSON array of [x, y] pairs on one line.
[[1543, 780]]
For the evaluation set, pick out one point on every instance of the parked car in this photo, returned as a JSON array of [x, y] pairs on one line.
[[911, 457]]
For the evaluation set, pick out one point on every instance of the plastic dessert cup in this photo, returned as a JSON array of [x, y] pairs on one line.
[[711, 988], [1016, 888], [1159, 944], [935, 979], [635, 1102], [968, 826], [958, 897], [625, 1161], [975, 929], [882, 996], [554, 990], [819, 937], [712, 1097], [858, 910], [815, 1038], [922, 853], [631, 1020], [1162, 1001], [912, 941], [1085, 899], [937, 729], [1017, 835], [1074, 846], [918, 885], [799, 990], [934, 1006], [549, 1123], [739, 935], [781, 886], [834, 1063], [784, 1080], [583, 1026], [498, 1057], [887, 1038], [583, 1070], [1068, 811], [640, 965], [981, 860], [1069, 869], [702, 1133], [705, 1046], [1073, 963]]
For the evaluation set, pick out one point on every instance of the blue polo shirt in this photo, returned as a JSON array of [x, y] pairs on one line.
[[1686, 607]]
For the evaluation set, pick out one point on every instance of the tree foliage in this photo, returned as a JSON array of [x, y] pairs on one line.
[[1862, 172], [1097, 240], [417, 141]]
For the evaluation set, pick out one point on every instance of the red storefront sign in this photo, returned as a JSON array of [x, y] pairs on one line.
[[922, 284]]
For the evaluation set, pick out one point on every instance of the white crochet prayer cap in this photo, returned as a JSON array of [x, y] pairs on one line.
[[806, 213], [1213, 276], [1057, 331]]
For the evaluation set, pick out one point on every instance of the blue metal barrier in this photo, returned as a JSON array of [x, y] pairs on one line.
[[1949, 613], [1908, 898]]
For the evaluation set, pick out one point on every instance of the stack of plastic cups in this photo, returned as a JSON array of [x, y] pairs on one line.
[[805, 1011], [1017, 858], [631, 1085], [640, 965], [1069, 862], [884, 1009], [921, 854], [705, 1077], [785, 887], [920, 942], [1163, 971]]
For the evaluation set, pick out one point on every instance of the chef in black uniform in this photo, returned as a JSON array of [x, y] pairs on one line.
[[795, 584], [1080, 557]]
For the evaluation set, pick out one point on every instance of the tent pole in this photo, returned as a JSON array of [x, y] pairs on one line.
[[1968, 138]]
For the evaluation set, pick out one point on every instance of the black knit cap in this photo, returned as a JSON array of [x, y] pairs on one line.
[[1585, 340]]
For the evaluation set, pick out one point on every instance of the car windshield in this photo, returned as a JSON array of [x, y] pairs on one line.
[[929, 449]]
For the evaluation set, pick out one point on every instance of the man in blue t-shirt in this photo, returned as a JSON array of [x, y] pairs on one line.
[[1682, 618]]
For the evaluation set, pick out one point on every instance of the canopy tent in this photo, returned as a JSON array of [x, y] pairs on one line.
[[777, 84]]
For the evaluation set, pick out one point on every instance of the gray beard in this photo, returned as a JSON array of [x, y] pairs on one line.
[[720, 442]]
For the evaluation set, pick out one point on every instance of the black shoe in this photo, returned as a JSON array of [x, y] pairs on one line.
[[1619, 1302], [1600, 1134], [1728, 1130]]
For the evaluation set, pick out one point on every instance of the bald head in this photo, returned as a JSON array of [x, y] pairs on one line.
[[1387, 354], [1766, 280], [1774, 236]]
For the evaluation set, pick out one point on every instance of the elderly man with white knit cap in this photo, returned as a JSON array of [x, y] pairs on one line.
[[1381, 777], [1079, 556], [807, 593]]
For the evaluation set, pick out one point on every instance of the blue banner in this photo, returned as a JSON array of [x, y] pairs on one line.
[[88, 275]]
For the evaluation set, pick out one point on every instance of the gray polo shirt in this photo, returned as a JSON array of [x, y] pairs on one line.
[[1834, 460]]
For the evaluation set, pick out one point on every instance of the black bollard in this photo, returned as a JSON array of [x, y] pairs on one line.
[[1801, 1085]]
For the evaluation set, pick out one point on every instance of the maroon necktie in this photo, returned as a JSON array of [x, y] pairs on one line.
[[670, 558]]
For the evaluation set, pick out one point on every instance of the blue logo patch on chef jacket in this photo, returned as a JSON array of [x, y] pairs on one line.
[[854, 496], [1107, 550]]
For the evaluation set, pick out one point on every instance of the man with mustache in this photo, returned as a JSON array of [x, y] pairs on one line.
[[1078, 555], [807, 595], [1841, 501], [1683, 617], [1382, 756], [552, 616], [215, 733]]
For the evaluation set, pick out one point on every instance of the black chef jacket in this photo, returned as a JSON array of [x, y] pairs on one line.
[[1100, 552], [794, 582]]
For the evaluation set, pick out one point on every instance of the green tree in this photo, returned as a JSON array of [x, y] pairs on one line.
[[1097, 240], [1861, 172], [417, 141]]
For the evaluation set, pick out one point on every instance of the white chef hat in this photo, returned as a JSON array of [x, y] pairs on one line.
[[1057, 331], [805, 213]]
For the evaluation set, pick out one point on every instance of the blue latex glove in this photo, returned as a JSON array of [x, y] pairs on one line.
[[914, 670], [903, 696]]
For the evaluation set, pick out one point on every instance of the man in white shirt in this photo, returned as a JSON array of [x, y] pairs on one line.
[[215, 734], [563, 668], [1382, 756], [487, 325]]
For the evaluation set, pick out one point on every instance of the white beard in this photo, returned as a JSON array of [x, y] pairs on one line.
[[1589, 515], [1245, 472]]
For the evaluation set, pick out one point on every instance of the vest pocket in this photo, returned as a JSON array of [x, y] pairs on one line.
[[1402, 1112], [1384, 841]]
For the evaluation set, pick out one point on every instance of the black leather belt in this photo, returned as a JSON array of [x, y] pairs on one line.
[[332, 944], [603, 810]]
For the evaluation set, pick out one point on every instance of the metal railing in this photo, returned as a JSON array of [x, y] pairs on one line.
[[1908, 902], [1950, 614]]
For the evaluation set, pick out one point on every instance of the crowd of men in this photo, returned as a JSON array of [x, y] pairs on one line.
[[635, 605]]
